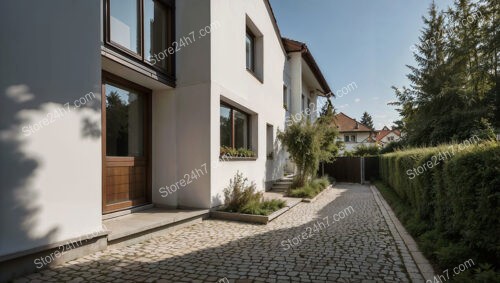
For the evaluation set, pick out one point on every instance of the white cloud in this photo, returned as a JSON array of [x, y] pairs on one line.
[[343, 106], [357, 100]]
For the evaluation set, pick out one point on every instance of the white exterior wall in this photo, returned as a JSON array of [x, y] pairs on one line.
[[233, 83], [360, 137], [181, 116], [386, 140], [51, 179]]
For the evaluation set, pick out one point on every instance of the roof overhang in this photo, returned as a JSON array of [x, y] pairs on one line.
[[297, 46]]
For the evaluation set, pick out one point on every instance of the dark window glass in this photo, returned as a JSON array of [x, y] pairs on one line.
[[240, 130], [285, 97], [250, 50], [125, 25], [155, 31], [346, 138], [225, 126], [234, 126], [124, 122]]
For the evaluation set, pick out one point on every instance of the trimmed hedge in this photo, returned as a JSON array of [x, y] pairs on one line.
[[453, 196]]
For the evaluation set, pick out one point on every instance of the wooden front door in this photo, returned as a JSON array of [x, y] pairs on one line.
[[126, 143]]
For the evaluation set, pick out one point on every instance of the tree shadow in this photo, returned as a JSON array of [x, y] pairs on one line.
[[357, 247]]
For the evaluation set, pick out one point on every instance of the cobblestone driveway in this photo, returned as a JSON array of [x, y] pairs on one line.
[[358, 248]]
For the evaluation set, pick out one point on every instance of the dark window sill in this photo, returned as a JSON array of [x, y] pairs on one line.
[[255, 76], [113, 54]]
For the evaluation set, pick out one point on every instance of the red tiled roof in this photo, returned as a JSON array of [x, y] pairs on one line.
[[347, 124], [382, 133]]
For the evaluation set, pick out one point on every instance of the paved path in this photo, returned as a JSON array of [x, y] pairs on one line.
[[356, 248]]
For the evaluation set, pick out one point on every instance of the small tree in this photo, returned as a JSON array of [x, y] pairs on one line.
[[310, 143]]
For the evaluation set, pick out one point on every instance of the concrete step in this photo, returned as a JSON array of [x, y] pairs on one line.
[[283, 182], [140, 226], [280, 186]]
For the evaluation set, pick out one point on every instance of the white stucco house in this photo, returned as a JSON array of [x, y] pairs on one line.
[[352, 132], [386, 135], [111, 107]]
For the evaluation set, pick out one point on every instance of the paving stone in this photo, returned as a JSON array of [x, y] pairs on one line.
[[357, 248]]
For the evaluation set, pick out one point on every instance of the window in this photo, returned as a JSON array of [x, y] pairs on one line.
[[285, 97], [155, 31], [142, 29], [353, 138], [124, 121], [124, 24], [234, 127], [254, 50], [390, 138], [269, 141], [346, 138], [250, 51]]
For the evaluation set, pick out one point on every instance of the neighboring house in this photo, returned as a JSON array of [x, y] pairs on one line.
[[352, 132], [303, 83], [152, 113], [387, 135]]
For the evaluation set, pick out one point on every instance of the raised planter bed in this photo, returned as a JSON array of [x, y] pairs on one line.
[[317, 196], [250, 218]]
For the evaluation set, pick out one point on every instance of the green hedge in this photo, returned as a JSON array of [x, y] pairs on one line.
[[453, 201]]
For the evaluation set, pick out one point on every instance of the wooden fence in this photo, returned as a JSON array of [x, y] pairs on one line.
[[352, 169]]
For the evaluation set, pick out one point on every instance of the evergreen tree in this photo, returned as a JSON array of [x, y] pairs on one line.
[[453, 87], [367, 120]]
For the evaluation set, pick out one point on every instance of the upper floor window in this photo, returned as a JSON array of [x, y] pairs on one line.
[[390, 138], [142, 29], [250, 51], [285, 97], [254, 50], [125, 25]]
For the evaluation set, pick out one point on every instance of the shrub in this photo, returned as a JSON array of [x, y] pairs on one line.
[[233, 152], [265, 207], [393, 146], [366, 150], [243, 198], [238, 193], [451, 203], [311, 189]]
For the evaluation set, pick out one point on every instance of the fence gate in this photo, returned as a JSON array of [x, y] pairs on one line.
[[351, 169]]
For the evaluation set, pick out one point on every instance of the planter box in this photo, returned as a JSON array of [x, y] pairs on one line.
[[317, 196], [251, 218]]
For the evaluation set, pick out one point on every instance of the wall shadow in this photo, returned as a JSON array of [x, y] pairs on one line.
[[263, 256]]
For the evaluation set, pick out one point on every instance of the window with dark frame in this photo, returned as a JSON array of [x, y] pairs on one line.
[[346, 138], [141, 29], [353, 138], [234, 127], [285, 97], [250, 50]]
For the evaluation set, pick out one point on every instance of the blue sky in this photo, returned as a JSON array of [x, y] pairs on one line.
[[360, 41]]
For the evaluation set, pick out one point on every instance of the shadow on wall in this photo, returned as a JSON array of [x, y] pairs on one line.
[[49, 60], [22, 119]]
